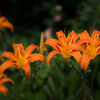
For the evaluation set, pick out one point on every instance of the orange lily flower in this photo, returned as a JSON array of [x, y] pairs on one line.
[[61, 44], [21, 58], [91, 47], [5, 23], [3, 79]]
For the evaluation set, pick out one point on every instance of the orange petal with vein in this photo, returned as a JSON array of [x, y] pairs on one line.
[[85, 61], [84, 35], [53, 42], [77, 55], [35, 57], [30, 48], [4, 90], [75, 47], [95, 33], [50, 56], [2, 19], [6, 65], [83, 41], [8, 25], [61, 36], [98, 52], [18, 49], [8, 55], [72, 37], [27, 70], [6, 80]]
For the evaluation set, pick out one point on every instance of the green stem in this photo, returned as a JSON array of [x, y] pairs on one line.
[[36, 71], [45, 93], [75, 70], [83, 77], [93, 74], [85, 87], [49, 87]]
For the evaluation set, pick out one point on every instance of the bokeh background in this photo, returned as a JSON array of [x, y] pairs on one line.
[[59, 81]]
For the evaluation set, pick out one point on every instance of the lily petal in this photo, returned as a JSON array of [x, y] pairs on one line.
[[4, 90], [2, 75], [95, 37], [53, 42], [6, 80], [18, 49], [95, 33], [83, 41], [98, 51], [50, 56], [8, 55], [61, 36], [72, 37], [2, 19], [29, 49], [8, 25], [85, 61], [6, 65], [77, 55], [27, 69], [84, 35], [35, 57], [75, 47]]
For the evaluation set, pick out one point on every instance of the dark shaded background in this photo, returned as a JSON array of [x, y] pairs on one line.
[[58, 82]]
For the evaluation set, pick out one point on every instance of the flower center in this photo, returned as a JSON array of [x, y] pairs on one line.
[[64, 53], [91, 50], [21, 61]]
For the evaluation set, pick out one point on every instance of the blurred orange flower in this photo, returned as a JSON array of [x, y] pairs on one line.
[[61, 45], [91, 47], [21, 58], [3, 79], [5, 23]]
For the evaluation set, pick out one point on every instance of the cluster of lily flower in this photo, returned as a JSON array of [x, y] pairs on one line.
[[83, 47]]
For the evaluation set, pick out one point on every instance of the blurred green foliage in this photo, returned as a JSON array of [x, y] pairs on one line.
[[58, 81]]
